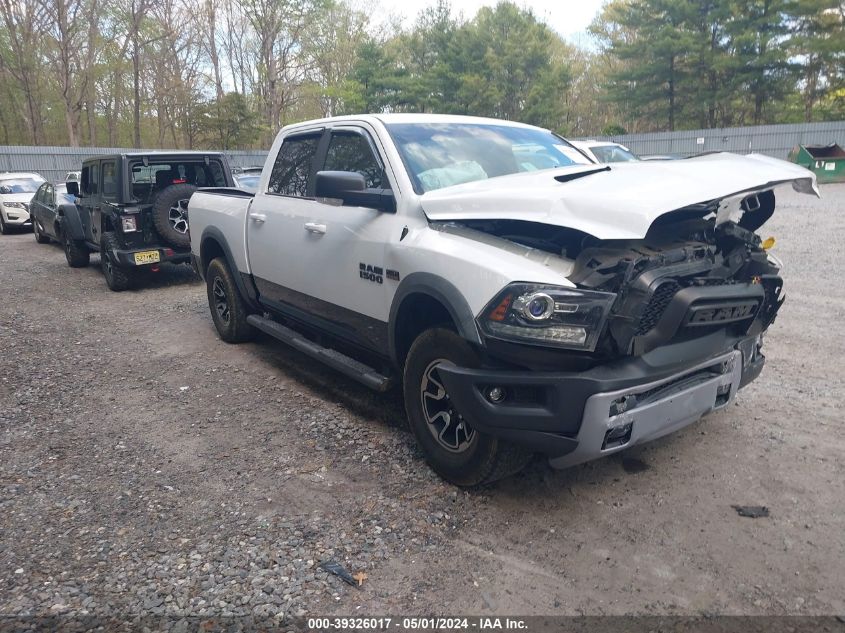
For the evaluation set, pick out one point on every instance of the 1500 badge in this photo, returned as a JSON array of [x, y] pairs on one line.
[[376, 274]]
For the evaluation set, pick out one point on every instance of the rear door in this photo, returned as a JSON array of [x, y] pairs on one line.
[[37, 208], [274, 258], [89, 203]]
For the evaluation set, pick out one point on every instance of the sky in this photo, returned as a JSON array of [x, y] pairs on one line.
[[570, 18]]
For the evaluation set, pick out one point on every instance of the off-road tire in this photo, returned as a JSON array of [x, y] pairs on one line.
[[486, 458], [118, 278], [230, 317], [39, 236], [170, 214], [76, 252]]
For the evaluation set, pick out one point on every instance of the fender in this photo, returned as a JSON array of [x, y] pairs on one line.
[[67, 218], [446, 293], [244, 281]]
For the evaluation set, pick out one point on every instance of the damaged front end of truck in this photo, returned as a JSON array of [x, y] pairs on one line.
[[659, 321]]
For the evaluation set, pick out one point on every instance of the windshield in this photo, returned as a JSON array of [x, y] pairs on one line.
[[612, 154], [20, 185], [439, 155]]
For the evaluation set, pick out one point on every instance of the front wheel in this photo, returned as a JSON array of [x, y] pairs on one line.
[[118, 278], [228, 309], [454, 450]]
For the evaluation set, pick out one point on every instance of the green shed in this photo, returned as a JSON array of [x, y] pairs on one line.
[[826, 161]]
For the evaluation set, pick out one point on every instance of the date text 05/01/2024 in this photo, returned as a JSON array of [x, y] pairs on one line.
[[417, 623]]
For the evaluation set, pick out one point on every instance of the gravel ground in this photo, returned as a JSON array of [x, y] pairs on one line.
[[147, 468]]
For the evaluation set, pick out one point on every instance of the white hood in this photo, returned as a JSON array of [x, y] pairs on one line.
[[618, 201], [17, 197]]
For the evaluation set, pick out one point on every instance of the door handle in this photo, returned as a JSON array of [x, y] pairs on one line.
[[313, 227], [260, 218]]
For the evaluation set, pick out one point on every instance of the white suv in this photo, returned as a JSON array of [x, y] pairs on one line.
[[16, 192]]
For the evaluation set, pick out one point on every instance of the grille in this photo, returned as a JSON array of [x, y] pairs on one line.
[[657, 305]]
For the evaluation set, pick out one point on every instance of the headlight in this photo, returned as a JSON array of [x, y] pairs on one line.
[[14, 205], [547, 315], [128, 223]]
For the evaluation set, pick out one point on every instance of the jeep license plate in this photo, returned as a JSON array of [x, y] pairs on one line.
[[147, 257]]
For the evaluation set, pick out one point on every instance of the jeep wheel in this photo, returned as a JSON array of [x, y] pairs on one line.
[[76, 252], [170, 214], [39, 236], [452, 448], [118, 278], [228, 310]]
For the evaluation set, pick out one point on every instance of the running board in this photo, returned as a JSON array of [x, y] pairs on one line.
[[348, 366]]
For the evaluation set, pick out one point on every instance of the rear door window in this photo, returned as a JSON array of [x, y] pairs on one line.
[[109, 180], [292, 170]]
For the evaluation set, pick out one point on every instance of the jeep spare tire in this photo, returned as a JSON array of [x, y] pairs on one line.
[[170, 214]]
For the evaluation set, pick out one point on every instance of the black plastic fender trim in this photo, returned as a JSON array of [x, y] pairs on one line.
[[243, 281], [69, 222], [443, 291]]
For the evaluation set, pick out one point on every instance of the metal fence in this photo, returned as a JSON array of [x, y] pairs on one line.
[[55, 162], [774, 140]]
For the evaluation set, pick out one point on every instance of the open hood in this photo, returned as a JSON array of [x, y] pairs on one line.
[[618, 201]]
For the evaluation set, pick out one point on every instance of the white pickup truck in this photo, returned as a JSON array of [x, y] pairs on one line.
[[525, 298]]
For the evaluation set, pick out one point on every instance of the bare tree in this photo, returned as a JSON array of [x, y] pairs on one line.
[[25, 24]]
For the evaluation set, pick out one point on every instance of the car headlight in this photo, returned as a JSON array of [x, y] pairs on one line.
[[547, 315], [128, 223], [14, 205]]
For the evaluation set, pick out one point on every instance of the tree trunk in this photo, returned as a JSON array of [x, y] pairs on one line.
[[136, 92]]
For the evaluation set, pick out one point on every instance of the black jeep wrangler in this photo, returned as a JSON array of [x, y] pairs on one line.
[[133, 209]]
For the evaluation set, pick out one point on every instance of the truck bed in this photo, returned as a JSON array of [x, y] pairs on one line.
[[221, 210]]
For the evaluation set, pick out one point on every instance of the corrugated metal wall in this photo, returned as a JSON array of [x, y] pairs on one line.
[[774, 140], [55, 162]]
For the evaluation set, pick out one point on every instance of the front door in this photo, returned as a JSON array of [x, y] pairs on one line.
[[343, 247]]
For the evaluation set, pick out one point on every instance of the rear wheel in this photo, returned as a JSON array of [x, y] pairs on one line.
[[228, 309], [39, 236], [76, 252], [118, 278], [454, 450]]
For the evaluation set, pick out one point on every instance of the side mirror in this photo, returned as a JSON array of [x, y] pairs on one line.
[[72, 187], [351, 188]]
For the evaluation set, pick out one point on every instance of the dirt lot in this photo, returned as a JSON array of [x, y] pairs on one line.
[[148, 468]]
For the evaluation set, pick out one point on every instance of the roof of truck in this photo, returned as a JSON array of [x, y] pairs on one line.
[[408, 117]]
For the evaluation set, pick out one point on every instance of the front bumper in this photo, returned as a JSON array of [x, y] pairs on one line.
[[126, 257], [614, 407], [16, 217]]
